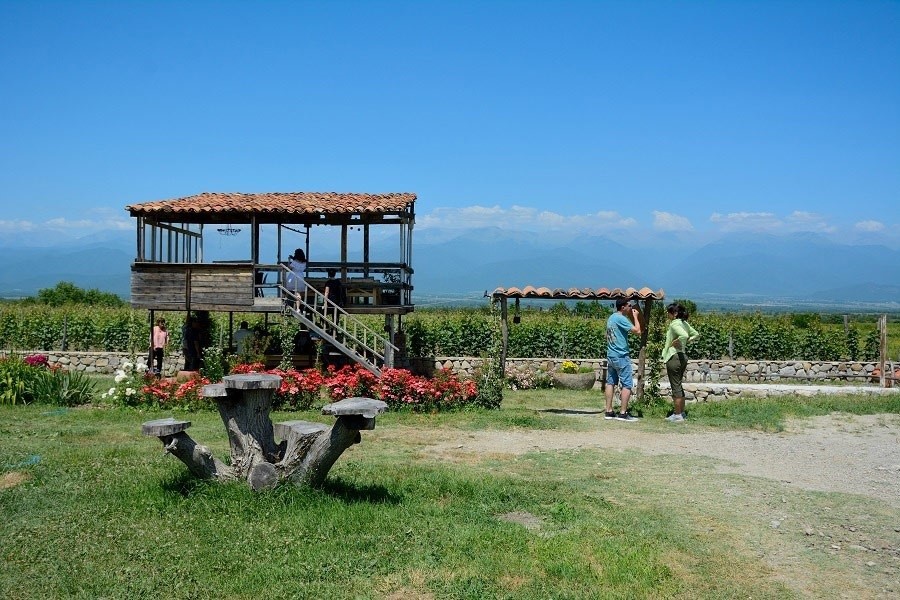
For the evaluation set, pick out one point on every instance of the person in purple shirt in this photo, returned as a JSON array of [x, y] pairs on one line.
[[618, 370]]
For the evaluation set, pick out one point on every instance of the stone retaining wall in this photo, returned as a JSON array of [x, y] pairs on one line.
[[704, 380], [699, 371], [104, 363]]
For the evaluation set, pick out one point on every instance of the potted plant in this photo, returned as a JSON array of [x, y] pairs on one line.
[[572, 377]]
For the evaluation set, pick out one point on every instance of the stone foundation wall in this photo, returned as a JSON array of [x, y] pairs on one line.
[[699, 371], [104, 363], [702, 379]]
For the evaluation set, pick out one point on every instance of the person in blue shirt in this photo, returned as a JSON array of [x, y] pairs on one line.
[[619, 370]]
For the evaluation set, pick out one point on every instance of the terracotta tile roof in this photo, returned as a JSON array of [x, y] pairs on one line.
[[291, 203], [529, 291]]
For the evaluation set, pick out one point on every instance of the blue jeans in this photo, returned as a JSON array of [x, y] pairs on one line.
[[619, 371]]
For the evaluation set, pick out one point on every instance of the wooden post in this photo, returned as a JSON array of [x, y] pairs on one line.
[[882, 350], [642, 356], [388, 344], [365, 254], [504, 334]]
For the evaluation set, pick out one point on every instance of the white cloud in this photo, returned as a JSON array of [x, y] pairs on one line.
[[797, 221], [746, 221], [869, 226], [88, 225], [16, 226], [521, 218], [806, 221], [664, 221]]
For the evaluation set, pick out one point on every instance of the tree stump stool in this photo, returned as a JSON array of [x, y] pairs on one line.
[[305, 454]]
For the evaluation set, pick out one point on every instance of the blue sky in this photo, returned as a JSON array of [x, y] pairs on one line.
[[633, 119]]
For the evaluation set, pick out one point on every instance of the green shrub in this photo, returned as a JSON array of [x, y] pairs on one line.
[[62, 387], [214, 364], [15, 377]]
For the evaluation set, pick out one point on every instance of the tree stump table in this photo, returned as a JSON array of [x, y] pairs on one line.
[[304, 455]]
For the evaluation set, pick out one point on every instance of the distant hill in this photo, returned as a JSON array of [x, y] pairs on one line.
[[465, 264]]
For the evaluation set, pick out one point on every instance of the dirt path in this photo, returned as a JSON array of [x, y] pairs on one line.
[[836, 453]]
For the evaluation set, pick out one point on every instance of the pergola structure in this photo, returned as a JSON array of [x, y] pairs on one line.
[[644, 296], [171, 273]]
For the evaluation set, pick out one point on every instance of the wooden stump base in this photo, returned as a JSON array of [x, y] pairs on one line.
[[304, 456]]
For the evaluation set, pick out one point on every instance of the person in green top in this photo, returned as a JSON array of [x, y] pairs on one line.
[[678, 335]]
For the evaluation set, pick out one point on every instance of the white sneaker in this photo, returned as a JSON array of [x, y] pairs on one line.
[[675, 418]]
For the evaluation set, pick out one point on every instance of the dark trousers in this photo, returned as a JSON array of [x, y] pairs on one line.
[[158, 358], [675, 368]]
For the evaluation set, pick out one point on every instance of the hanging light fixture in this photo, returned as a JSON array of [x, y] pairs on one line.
[[228, 230]]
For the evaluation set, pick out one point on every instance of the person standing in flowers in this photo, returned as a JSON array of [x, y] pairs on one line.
[[158, 341], [678, 335]]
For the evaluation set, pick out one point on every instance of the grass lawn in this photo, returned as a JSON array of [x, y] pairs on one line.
[[89, 508]]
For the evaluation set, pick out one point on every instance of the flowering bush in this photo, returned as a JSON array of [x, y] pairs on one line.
[[37, 360], [256, 367], [450, 391], [187, 395], [135, 386], [298, 390], [401, 389], [159, 391], [130, 379], [568, 366], [349, 381], [525, 378]]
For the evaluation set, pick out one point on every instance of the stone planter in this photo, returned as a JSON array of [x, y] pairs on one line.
[[575, 381]]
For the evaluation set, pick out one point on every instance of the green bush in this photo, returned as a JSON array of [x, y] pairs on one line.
[[15, 377], [562, 332], [62, 387]]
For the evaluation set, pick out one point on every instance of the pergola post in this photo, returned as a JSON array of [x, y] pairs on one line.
[[642, 356], [504, 333]]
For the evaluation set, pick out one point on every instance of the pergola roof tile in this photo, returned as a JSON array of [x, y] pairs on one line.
[[602, 293], [297, 203]]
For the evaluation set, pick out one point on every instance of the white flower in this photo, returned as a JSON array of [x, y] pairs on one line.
[[129, 391], [120, 377], [127, 366]]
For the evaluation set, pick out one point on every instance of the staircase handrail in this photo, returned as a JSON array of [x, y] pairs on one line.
[[338, 323]]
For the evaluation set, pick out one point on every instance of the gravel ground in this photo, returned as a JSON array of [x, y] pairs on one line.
[[835, 453]]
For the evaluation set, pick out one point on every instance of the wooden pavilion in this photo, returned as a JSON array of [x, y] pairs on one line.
[[644, 297], [170, 272]]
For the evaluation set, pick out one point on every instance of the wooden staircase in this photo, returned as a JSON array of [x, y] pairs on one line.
[[347, 333]]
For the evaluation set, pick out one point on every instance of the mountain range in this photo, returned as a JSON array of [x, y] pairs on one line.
[[762, 267]]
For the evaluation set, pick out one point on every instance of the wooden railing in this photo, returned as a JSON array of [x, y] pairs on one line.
[[346, 332]]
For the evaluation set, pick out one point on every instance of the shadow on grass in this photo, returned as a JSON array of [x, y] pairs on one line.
[[352, 493], [571, 411], [185, 485]]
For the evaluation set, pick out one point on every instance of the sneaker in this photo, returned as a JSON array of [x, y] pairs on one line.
[[609, 415], [675, 418], [626, 416]]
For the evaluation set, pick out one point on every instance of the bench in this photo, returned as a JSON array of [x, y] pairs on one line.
[[164, 427], [304, 456]]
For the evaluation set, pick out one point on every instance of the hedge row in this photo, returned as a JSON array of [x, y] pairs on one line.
[[553, 335], [461, 332]]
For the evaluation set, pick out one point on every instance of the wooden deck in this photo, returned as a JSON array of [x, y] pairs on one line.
[[238, 287]]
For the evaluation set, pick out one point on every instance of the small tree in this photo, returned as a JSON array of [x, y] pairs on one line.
[[68, 293]]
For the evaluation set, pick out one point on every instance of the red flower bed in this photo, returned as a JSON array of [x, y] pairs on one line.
[[300, 390]]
